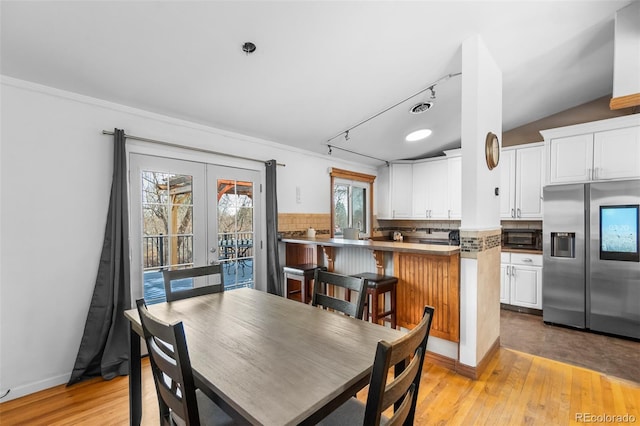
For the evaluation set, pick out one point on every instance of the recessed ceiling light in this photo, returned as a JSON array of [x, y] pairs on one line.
[[418, 135]]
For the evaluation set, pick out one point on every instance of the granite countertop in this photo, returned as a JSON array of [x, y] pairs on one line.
[[440, 250]]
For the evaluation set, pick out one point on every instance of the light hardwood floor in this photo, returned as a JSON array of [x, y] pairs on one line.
[[515, 389]]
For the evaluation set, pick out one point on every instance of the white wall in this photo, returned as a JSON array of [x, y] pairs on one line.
[[55, 180]]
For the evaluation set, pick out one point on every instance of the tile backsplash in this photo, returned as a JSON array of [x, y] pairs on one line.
[[296, 224]]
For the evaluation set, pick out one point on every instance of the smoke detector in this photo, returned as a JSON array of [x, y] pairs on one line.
[[248, 47], [421, 107]]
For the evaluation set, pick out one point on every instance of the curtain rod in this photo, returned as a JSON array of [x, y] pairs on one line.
[[175, 145]]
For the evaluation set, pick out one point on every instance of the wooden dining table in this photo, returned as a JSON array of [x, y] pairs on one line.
[[266, 359]]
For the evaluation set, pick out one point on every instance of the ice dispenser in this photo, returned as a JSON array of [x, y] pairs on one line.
[[563, 244]]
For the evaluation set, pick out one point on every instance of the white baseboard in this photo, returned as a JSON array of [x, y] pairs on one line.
[[30, 388]]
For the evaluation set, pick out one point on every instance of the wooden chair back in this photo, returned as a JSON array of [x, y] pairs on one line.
[[402, 390], [201, 271], [323, 299], [171, 368]]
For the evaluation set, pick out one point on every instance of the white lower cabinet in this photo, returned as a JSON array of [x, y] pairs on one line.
[[521, 280]]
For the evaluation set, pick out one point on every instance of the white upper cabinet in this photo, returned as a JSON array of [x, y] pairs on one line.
[[521, 181], [616, 153], [529, 182], [508, 183], [571, 158], [395, 191], [401, 177], [601, 150], [430, 190]]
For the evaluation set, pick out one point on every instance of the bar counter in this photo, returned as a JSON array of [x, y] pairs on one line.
[[428, 274]]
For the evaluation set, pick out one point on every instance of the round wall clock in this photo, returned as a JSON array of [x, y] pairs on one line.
[[492, 150]]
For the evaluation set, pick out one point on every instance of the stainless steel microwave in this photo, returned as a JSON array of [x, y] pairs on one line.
[[530, 239]]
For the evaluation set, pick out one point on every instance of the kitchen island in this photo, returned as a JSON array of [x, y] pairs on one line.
[[427, 275]]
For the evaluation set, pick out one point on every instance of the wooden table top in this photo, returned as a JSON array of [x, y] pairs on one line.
[[274, 360]]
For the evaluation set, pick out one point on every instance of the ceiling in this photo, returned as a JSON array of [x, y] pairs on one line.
[[320, 66]]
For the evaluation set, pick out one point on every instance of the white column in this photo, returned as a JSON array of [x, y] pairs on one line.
[[480, 225]]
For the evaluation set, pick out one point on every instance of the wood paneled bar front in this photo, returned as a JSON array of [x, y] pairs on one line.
[[427, 275]]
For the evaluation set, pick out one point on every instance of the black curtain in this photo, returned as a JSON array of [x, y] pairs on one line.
[[104, 349], [274, 284]]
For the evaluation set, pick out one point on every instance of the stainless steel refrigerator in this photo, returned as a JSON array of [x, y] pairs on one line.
[[591, 269]]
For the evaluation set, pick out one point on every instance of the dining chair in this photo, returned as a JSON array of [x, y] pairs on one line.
[[179, 401], [210, 271], [401, 390], [322, 298]]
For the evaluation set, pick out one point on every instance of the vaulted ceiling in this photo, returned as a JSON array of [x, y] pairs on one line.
[[320, 67]]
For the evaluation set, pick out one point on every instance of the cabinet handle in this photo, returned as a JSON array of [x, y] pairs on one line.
[[590, 174], [519, 215], [528, 260], [513, 213], [426, 213], [449, 214], [508, 270], [393, 213], [513, 271]]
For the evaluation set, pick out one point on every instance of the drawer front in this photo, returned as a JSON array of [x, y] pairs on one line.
[[526, 259], [505, 257]]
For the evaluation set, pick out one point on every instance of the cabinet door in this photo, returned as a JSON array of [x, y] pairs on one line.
[[504, 284], [507, 168], [454, 167], [420, 178], [616, 154], [401, 190], [437, 189], [529, 175], [571, 159], [526, 286], [383, 192]]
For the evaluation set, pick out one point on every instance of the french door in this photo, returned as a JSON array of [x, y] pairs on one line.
[[186, 214]]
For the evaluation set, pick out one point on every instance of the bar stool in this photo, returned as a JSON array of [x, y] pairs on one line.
[[379, 285], [304, 274]]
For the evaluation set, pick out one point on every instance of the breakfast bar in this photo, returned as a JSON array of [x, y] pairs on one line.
[[427, 275]]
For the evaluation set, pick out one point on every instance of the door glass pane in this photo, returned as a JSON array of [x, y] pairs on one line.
[[167, 228], [235, 202]]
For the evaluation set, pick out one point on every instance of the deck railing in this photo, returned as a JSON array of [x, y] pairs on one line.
[[155, 249]]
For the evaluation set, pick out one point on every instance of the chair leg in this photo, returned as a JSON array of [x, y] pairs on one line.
[[374, 307], [393, 308], [367, 303]]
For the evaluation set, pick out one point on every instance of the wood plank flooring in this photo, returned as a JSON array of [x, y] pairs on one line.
[[515, 389]]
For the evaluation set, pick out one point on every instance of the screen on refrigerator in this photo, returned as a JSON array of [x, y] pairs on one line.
[[619, 233]]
